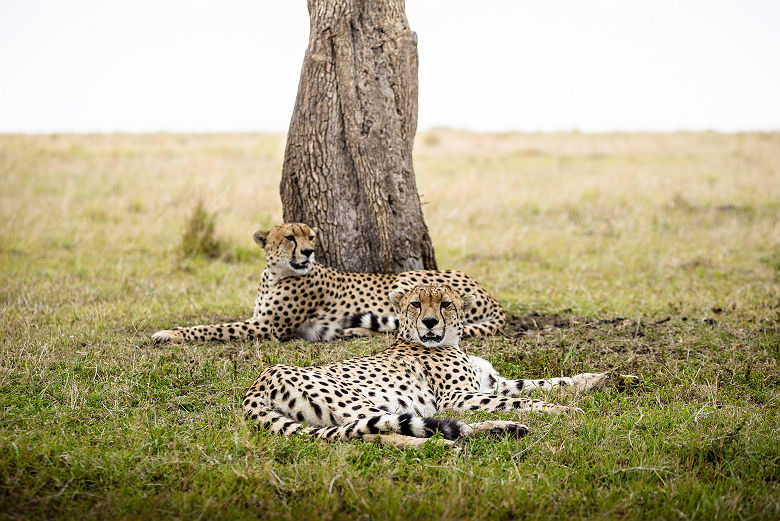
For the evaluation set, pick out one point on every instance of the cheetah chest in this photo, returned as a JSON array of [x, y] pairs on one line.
[[397, 385]]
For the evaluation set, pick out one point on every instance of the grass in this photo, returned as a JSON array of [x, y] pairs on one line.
[[658, 254], [198, 238]]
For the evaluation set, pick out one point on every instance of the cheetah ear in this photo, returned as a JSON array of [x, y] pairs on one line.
[[259, 236], [468, 302], [395, 297]]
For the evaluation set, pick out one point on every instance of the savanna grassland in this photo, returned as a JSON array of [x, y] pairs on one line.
[[652, 254]]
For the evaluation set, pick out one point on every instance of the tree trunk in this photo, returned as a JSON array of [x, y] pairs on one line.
[[348, 162]]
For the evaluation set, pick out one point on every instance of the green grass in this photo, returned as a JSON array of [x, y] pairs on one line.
[[658, 255]]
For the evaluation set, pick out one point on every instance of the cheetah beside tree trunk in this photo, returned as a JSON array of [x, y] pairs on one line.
[[299, 298]]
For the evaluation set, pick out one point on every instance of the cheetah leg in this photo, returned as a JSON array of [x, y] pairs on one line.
[[499, 427], [467, 401], [258, 327], [358, 332], [579, 382], [400, 441], [492, 382]]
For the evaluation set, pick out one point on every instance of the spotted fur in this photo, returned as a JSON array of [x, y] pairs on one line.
[[395, 392], [299, 298]]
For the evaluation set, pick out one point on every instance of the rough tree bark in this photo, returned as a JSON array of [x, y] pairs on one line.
[[348, 162]]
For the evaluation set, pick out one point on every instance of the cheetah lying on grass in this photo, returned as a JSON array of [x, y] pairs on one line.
[[300, 298], [395, 393]]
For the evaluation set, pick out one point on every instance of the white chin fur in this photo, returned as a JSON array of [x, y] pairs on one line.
[[451, 338], [432, 342]]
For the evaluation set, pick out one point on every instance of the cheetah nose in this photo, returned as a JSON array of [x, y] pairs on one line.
[[430, 322], [307, 252]]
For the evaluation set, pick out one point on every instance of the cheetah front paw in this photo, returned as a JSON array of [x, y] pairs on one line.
[[561, 409], [168, 335], [357, 332], [401, 441], [592, 381], [588, 381], [622, 382], [500, 427]]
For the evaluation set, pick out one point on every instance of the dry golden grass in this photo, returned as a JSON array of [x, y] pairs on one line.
[[584, 214]]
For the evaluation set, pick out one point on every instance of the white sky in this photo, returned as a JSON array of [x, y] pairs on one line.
[[233, 65]]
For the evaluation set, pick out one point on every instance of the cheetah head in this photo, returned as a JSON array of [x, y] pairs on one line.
[[289, 248], [431, 314]]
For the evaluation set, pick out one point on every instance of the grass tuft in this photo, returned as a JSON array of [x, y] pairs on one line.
[[199, 237]]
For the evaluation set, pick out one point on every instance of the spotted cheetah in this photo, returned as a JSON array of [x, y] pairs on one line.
[[395, 392], [299, 298]]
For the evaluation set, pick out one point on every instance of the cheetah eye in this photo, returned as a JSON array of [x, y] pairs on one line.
[[311, 238], [415, 304], [445, 305], [289, 237]]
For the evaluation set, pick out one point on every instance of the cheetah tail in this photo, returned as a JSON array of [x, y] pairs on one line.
[[406, 424], [277, 422], [371, 321]]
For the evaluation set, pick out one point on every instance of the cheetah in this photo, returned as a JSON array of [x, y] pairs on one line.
[[392, 396], [300, 298]]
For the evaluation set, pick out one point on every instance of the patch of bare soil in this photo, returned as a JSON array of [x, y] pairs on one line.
[[535, 322]]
